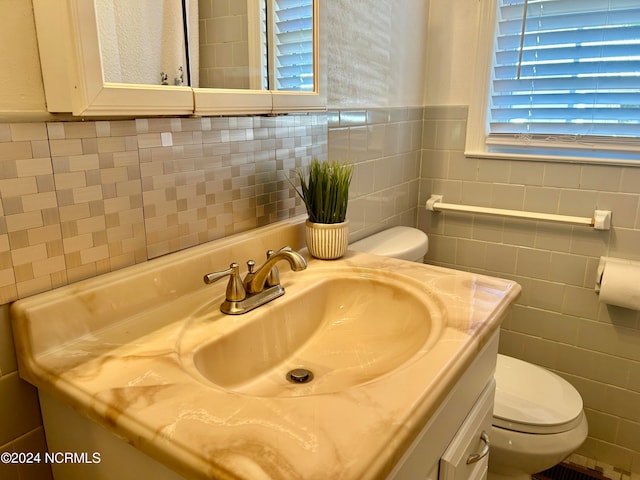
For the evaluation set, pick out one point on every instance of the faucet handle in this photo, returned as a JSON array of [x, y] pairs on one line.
[[235, 289], [250, 266]]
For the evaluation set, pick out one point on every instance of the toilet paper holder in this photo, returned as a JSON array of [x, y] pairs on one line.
[[602, 264]]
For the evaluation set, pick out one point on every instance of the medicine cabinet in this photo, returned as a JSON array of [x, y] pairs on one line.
[[76, 56]]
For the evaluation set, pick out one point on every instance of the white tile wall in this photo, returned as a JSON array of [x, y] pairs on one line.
[[558, 321], [384, 145], [21, 424]]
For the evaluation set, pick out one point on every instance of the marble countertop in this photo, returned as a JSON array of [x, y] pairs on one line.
[[111, 347]]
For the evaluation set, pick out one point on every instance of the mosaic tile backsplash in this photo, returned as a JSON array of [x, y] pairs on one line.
[[79, 199]]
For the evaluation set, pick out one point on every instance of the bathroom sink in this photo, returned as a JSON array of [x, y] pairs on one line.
[[337, 332], [147, 354]]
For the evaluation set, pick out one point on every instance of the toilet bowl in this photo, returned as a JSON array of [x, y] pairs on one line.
[[538, 417], [538, 420]]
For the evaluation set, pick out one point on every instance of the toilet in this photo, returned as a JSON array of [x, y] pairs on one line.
[[538, 420], [538, 417]]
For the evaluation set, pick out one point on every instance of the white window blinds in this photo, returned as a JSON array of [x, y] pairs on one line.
[[566, 73], [293, 42]]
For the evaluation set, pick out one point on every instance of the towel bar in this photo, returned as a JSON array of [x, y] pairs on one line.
[[601, 219]]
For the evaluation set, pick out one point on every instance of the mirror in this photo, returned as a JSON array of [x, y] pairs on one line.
[[141, 43], [240, 44]]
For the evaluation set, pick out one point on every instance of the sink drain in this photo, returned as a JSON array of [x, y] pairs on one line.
[[300, 375]]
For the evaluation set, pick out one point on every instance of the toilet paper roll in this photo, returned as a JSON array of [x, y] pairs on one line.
[[620, 285]]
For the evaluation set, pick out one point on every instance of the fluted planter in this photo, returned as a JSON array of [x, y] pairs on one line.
[[327, 241]]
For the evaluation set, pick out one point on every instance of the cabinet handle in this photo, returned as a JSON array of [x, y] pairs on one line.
[[473, 458]]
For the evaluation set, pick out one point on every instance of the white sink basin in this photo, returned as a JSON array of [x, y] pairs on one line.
[[347, 330]]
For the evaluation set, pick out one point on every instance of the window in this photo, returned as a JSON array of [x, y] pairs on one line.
[[564, 80], [293, 45], [285, 58]]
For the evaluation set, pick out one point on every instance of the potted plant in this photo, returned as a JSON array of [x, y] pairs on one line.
[[325, 193]]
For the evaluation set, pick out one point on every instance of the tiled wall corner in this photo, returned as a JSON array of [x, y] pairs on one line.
[[19, 412], [558, 321], [384, 144], [32, 442]]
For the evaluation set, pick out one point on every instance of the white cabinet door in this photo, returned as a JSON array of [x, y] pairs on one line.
[[467, 456]]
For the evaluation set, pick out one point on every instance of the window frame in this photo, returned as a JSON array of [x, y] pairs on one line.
[[476, 145]]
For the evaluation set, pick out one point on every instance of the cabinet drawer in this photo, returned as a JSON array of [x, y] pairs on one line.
[[466, 457]]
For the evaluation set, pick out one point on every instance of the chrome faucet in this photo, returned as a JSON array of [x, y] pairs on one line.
[[259, 286]]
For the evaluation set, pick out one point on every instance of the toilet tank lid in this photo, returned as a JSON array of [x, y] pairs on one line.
[[531, 396], [405, 243]]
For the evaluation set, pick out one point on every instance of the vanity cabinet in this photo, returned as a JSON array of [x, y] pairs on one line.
[[439, 452], [467, 457], [459, 429], [114, 359]]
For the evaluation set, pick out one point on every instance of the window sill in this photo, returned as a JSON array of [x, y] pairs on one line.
[[528, 157]]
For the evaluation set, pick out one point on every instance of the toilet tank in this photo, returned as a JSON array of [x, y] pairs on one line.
[[405, 243]]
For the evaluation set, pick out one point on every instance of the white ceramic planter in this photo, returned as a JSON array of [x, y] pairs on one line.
[[327, 241]]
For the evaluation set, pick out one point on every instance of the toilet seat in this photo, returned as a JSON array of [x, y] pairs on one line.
[[531, 399]]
